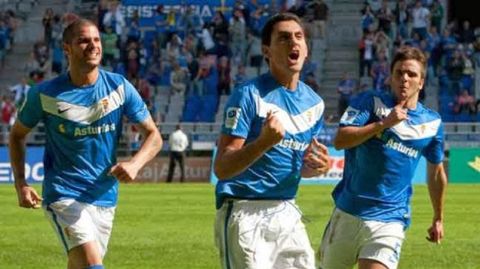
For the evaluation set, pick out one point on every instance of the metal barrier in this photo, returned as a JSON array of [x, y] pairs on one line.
[[204, 135]]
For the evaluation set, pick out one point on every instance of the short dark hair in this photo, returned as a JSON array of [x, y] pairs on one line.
[[279, 17], [69, 32], [410, 53]]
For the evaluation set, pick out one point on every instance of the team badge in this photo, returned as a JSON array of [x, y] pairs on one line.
[[61, 128], [422, 128], [309, 115], [231, 117], [105, 104]]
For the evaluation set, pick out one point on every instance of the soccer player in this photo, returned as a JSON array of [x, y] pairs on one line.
[[82, 111], [384, 135], [267, 143]]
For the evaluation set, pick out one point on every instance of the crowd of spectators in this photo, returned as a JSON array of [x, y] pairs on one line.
[[453, 51], [8, 26], [196, 58]]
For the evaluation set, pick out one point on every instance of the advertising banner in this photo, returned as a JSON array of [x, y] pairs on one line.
[[146, 9], [33, 165], [335, 173], [464, 165], [197, 169]]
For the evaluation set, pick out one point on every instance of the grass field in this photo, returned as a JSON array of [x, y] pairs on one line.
[[163, 226]]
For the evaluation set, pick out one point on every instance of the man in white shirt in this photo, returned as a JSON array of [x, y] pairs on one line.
[[178, 142], [421, 19], [20, 90]]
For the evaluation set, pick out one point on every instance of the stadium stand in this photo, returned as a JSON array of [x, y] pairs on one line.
[[146, 50]]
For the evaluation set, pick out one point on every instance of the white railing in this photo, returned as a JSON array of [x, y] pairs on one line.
[[456, 134]]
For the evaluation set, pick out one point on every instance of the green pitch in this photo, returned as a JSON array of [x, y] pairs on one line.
[[161, 226]]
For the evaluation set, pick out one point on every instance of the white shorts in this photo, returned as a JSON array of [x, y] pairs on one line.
[[348, 238], [262, 234], [77, 223]]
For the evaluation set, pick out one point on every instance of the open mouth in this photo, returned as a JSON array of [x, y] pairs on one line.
[[294, 55]]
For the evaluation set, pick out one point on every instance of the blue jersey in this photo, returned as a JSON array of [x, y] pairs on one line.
[[377, 179], [83, 126], [276, 174]]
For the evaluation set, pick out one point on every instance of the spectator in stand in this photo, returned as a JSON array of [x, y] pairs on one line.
[[255, 51], [345, 88], [31, 65], [468, 68], [466, 35], [193, 23], [133, 64], [298, 8], [368, 19], [476, 51], [448, 44], [115, 19], [143, 88], [41, 51], [57, 31], [160, 19], [20, 91], [220, 26], [3, 42], [455, 72], [133, 29], [237, 30], [207, 40], [367, 51], [203, 70], [224, 79], [240, 77], [311, 81], [173, 47], [464, 102], [434, 41], [380, 72], [402, 17], [178, 79], [420, 19], [12, 23], [437, 12], [8, 110], [385, 18], [47, 22], [111, 52], [320, 17], [382, 43]]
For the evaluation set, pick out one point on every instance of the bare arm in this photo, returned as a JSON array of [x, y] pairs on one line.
[[127, 171], [27, 196], [437, 184], [352, 136], [233, 157]]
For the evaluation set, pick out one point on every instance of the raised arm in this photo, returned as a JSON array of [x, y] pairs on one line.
[[233, 157], [351, 136]]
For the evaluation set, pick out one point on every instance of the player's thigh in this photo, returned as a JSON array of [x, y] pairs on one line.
[[77, 223], [341, 241], [294, 249], [384, 243], [71, 222], [236, 235], [103, 221]]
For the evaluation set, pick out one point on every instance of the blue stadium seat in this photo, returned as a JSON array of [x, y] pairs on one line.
[[193, 105]]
